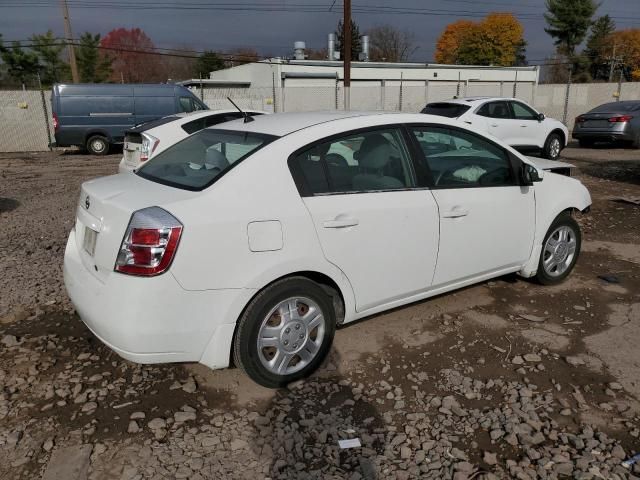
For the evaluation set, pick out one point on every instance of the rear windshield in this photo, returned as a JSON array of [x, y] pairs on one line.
[[153, 124], [617, 107], [450, 110], [199, 160]]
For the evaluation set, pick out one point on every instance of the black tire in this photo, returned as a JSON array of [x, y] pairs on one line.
[[98, 145], [246, 354], [636, 143], [550, 151], [563, 220], [586, 143]]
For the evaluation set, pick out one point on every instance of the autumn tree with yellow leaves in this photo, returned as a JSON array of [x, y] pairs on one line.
[[495, 40], [627, 44]]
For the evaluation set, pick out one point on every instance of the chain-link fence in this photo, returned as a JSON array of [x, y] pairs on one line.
[[26, 125]]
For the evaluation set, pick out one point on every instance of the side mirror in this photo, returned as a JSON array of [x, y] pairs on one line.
[[541, 117], [529, 175]]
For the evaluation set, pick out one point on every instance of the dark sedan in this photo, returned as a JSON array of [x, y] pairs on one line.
[[617, 121]]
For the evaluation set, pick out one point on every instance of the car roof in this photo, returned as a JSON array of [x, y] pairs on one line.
[[282, 124], [476, 100]]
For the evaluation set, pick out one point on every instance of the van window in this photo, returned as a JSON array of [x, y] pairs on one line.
[[95, 106], [157, 106], [188, 104], [197, 161]]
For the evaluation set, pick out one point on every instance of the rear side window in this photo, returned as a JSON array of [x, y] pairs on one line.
[[364, 162], [199, 160], [443, 109], [495, 110]]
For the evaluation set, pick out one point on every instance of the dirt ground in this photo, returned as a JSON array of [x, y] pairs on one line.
[[505, 379]]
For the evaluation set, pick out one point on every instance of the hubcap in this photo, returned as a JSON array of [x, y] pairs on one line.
[[559, 251], [555, 148], [97, 146], [290, 335]]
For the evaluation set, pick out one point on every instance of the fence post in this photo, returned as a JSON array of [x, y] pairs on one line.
[[273, 85], [400, 95], [201, 89], [566, 97], [515, 86], [383, 86], [46, 114], [426, 92], [336, 99], [620, 87], [501, 88]]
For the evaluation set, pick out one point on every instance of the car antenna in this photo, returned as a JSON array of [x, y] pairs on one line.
[[247, 118]]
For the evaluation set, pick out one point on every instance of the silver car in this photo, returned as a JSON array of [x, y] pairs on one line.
[[617, 121]]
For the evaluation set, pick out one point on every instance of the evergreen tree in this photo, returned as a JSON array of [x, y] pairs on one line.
[[599, 47], [568, 22], [48, 49], [356, 43], [21, 65], [208, 61], [93, 67]]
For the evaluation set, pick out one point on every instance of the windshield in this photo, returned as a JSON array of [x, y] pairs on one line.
[[449, 110], [617, 107], [199, 160]]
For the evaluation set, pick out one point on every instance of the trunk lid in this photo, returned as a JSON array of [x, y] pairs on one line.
[[599, 120], [104, 211]]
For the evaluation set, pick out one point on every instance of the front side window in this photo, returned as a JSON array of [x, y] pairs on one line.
[[523, 112], [495, 110], [187, 104], [372, 161], [459, 159], [197, 161]]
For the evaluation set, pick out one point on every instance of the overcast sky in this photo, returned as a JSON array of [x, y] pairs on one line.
[[273, 32]]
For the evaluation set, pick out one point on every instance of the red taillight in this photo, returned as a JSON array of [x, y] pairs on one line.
[[149, 145], [150, 243], [580, 119], [620, 119], [55, 122]]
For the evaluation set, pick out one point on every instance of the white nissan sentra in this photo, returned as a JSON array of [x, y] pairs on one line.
[[253, 240]]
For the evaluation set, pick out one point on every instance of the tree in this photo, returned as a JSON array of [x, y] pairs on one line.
[[52, 68], [388, 44], [496, 40], [21, 65], [628, 49], [132, 56], [568, 22], [208, 61], [93, 65], [450, 41], [356, 43], [599, 48]]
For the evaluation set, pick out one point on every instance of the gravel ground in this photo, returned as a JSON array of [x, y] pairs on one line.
[[506, 379]]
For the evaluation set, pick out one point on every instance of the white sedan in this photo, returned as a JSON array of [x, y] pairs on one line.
[[246, 241], [150, 138], [511, 120]]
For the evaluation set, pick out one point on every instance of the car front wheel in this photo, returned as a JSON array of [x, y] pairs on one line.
[[560, 250], [285, 332], [552, 147]]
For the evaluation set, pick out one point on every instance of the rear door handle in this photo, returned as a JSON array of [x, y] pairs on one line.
[[467, 121], [341, 223], [523, 126], [455, 212]]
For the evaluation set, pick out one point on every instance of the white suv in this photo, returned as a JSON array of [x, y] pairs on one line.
[[510, 120]]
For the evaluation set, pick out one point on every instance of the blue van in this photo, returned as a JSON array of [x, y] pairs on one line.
[[95, 116]]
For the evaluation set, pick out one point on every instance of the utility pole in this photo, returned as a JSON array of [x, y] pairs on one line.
[[69, 35], [612, 61], [346, 24]]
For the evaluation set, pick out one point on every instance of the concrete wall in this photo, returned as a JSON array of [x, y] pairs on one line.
[[24, 129]]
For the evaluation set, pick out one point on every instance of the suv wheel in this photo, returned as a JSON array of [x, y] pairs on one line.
[[552, 147], [560, 250], [285, 332], [98, 145]]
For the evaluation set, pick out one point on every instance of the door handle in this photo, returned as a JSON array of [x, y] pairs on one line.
[[494, 124], [523, 126], [455, 212], [467, 121], [341, 223]]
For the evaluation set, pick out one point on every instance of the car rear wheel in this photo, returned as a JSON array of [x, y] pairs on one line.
[[98, 145], [552, 147], [560, 250], [285, 332], [636, 142]]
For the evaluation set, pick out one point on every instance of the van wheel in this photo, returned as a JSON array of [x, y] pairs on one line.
[[552, 147], [98, 145], [285, 332], [560, 250]]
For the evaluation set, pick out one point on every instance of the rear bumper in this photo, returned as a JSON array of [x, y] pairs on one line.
[[603, 135], [123, 167], [153, 320]]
